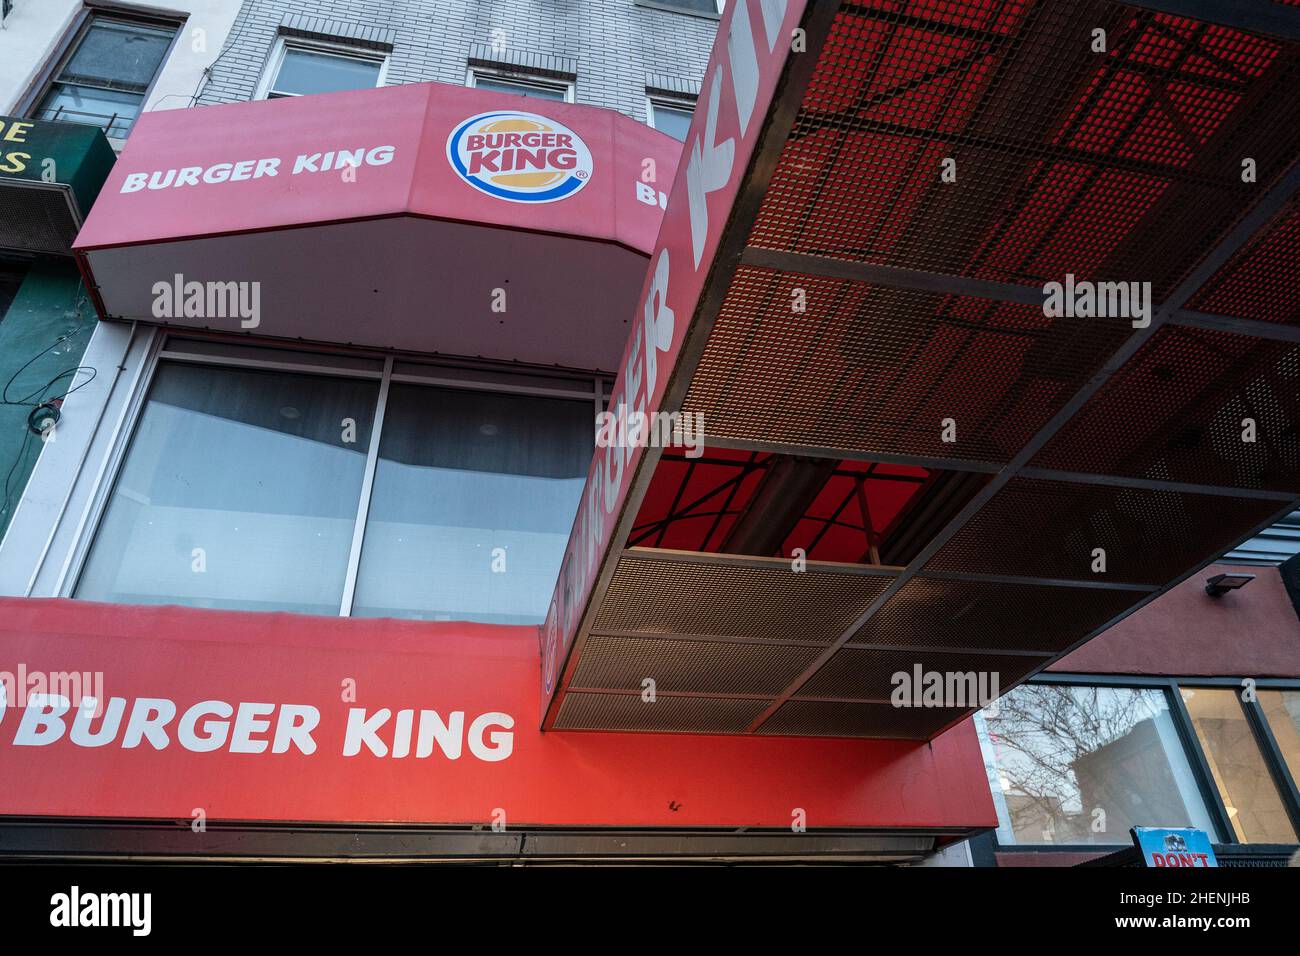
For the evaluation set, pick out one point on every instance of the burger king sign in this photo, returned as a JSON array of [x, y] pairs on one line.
[[519, 157]]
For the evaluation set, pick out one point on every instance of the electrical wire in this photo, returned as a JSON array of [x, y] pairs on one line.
[[26, 399], [22, 453], [40, 394]]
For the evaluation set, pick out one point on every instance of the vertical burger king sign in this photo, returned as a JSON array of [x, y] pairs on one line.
[[751, 52], [519, 157]]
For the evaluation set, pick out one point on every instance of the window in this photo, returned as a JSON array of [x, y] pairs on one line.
[[673, 118], [540, 89], [104, 80], [300, 69], [474, 496], [239, 491], [1282, 711], [1249, 794], [1080, 765], [252, 482]]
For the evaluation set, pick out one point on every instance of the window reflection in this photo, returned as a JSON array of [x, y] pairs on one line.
[[1081, 765], [306, 71]]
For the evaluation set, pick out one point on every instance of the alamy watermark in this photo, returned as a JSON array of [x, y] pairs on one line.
[[20, 687], [624, 429], [133, 911], [921, 688], [179, 299], [1083, 299]]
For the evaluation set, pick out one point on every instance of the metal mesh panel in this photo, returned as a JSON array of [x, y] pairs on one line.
[[1049, 529], [693, 715], [35, 219], [889, 366], [1118, 165], [653, 596], [932, 613], [869, 675], [619, 663], [1176, 411], [1115, 165], [806, 718], [1261, 281]]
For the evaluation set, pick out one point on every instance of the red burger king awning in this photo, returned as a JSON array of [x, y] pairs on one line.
[[389, 218]]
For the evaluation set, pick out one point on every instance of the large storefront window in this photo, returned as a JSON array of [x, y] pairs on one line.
[[239, 491], [1249, 795], [256, 488], [1080, 765], [473, 499]]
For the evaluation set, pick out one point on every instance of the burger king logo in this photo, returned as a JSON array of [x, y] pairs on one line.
[[519, 157]]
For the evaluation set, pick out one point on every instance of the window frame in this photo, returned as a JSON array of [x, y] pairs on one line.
[[670, 6], [283, 44], [70, 42], [175, 346], [653, 100], [1171, 687], [473, 73]]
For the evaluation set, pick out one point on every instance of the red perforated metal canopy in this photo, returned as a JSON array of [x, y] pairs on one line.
[[849, 288]]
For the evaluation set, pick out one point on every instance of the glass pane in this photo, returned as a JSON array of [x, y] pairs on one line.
[[522, 89], [1080, 765], [111, 110], [703, 6], [676, 123], [121, 55], [304, 71], [239, 491], [473, 499], [1244, 782], [1282, 708]]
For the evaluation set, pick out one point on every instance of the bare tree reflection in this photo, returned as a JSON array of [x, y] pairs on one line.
[[1083, 764]]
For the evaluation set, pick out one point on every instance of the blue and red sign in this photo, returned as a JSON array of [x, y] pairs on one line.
[[1166, 848], [519, 157]]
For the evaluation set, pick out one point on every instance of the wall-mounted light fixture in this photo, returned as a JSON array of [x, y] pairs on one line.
[[1221, 584]]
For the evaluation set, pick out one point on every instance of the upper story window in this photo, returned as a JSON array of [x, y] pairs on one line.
[[262, 479], [298, 69], [557, 90], [670, 116], [106, 74]]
